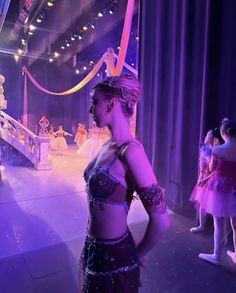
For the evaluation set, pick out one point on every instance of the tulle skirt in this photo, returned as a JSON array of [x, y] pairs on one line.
[[90, 148], [218, 197], [61, 144]]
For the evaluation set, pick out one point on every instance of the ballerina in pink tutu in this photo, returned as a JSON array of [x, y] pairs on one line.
[[219, 196], [213, 138]]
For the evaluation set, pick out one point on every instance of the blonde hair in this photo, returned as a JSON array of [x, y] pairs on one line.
[[125, 87]]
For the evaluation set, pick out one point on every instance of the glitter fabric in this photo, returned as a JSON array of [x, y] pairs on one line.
[[101, 186], [153, 198], [110, 265]]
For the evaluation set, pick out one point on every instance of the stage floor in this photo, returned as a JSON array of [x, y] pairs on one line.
[[43, 216]]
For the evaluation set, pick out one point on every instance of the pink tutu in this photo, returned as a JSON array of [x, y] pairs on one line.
[[218, 196], [197, 193]]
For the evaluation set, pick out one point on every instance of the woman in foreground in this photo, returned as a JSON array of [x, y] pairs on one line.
[[110, 258]]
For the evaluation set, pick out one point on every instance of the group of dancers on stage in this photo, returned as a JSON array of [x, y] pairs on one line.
[[88, 142], [215, 191]]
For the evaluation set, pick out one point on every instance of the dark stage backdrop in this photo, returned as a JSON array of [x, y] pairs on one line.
[[187, 68]]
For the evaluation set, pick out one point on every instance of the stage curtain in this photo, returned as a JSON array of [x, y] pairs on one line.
[[187, 68]]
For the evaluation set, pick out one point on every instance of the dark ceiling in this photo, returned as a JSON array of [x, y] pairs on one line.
[[60, 27]]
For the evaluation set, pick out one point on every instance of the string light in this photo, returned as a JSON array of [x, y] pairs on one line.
[[16, 57], [100, 14], [50, 60], [56, 54], [32, 27], [50, 4], [85, 28]]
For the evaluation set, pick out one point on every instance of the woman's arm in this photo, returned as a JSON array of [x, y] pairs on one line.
[[151, 195]]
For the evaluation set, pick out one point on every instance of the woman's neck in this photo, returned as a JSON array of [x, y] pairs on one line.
[[120, 133]]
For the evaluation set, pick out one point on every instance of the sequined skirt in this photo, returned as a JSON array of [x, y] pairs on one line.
[[110, 266]]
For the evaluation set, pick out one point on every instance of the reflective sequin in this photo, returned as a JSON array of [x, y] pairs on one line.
[[153, 198]]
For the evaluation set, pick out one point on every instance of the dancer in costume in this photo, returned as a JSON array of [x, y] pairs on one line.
[[92, 145], [43, 123], [81, 135], [110, 259], [213, 138], [52, 142], [61, 144], [219, 196]]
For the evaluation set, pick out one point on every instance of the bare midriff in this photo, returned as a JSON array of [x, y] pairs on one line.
[[107, 221]]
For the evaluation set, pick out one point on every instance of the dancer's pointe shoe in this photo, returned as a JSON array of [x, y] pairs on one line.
[[232, 256], [212, 258], [197, 229]]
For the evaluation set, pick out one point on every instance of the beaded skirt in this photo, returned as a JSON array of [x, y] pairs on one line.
[[110, 266]]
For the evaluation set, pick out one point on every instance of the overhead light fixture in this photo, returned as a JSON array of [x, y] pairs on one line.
[[50, 4]]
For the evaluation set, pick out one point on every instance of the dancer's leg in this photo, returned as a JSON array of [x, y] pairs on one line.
[[218, 242], [232, 254], [202, 220]]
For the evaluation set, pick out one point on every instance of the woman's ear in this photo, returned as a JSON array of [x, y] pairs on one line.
[[111, 104], [216, 141]]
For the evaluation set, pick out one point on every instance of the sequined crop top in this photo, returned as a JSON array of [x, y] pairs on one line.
[[102, 186]]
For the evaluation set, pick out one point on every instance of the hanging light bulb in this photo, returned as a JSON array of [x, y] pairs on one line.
[[85, 28], [100, 14]]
